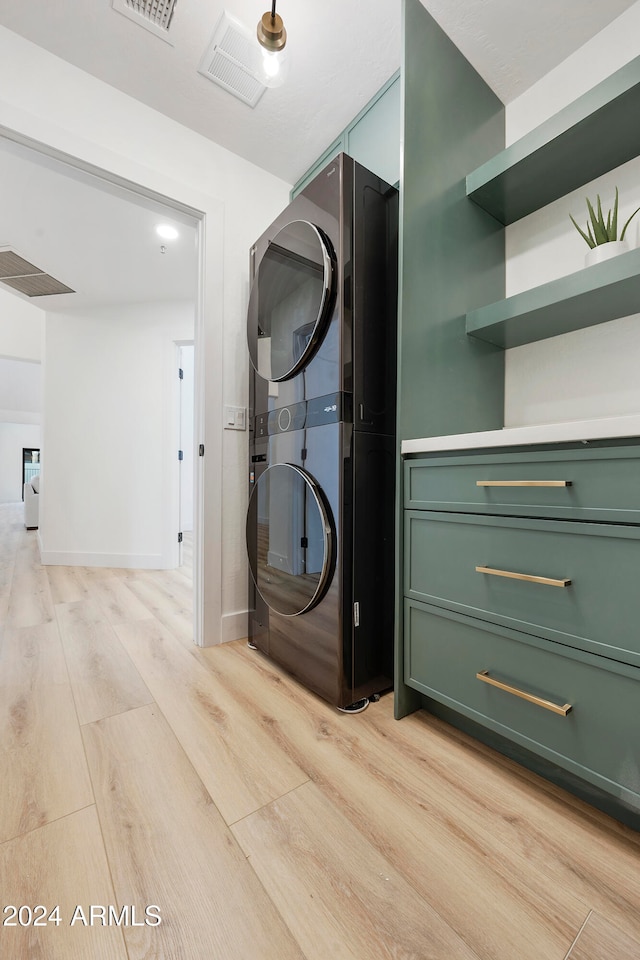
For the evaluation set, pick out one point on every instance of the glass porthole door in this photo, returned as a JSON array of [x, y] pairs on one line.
[[290, 540], [291, 300]]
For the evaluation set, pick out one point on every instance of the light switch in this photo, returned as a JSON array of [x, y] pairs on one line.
[[235, 418]]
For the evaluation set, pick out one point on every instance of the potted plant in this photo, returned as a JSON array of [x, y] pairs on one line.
[[602, 235]]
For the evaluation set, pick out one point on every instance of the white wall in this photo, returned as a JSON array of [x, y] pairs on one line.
[[20, 391], [45, 99], [13, 437], [21, 327], [110, 436], [591, 372]]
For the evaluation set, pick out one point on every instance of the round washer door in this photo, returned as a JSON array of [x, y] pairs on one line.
[[290, 540], [291, 300]]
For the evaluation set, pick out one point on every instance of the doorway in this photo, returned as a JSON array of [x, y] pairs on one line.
[[44, 163], [30, 465]]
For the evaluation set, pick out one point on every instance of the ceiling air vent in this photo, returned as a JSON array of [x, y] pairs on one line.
[[231, 60], [154, 15], [20, 275]]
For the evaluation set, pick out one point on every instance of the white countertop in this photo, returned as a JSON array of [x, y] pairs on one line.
[[571, 430]]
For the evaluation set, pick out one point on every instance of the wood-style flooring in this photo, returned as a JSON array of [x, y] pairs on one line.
[[142, 777]]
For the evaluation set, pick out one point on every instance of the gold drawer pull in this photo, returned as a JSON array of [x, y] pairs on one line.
[[523, 576], [531, 697], [523, 483]]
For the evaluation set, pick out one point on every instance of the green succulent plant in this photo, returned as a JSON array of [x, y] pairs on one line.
[[600, 230]]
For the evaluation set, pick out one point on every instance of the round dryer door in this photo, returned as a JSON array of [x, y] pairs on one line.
[[289, 540], [291, 300]]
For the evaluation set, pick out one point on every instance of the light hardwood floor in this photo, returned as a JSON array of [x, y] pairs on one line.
[[138, 771]]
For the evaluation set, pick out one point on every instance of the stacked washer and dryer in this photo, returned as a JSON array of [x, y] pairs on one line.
[[320, 526]]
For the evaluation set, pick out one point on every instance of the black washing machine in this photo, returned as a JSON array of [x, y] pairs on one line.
[[320, 525]]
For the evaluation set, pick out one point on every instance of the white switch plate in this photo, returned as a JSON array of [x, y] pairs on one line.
[[235, 418]]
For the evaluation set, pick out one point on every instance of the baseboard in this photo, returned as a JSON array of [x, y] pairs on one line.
[[128, 561], [234, 626]]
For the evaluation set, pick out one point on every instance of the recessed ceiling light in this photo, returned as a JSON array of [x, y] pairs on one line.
[[166, 231]]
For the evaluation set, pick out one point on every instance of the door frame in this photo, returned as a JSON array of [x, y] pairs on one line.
[[207, 516], [179, 407]]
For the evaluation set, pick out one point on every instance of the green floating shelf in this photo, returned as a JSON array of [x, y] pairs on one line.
[[594, 295], [594, 134]]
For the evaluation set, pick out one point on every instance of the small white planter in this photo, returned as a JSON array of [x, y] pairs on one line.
[[605, 251]]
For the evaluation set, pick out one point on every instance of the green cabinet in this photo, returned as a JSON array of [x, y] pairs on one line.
[[449, 658], [575, 583], [451, 254], [585, 481], [472, 519], [372, 138], [521, 598]]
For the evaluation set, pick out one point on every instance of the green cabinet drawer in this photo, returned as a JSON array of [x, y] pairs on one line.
[[597, 610], [597, 739], [585, 483]]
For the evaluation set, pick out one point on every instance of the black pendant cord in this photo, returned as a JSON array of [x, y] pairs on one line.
[[273, 10]]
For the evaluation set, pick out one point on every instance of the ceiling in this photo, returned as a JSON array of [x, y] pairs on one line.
[[49, 210], [96, 238], [342, 52]]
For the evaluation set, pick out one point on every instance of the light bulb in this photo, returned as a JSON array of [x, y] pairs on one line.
[[271, 64], [274, 67]]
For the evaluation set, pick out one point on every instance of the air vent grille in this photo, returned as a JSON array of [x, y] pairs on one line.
[[11, 265], [159, 12], [235, 44], [153, 15], [25, 277], [231, 60]]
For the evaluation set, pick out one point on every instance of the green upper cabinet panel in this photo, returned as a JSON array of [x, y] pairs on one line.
[[596, 133], [372, 138], [452, 252]]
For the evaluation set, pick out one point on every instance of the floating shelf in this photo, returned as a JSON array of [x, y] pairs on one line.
[[594, 134], [594, 295]]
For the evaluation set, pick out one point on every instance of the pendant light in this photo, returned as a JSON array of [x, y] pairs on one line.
[[272, 37]]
